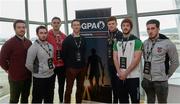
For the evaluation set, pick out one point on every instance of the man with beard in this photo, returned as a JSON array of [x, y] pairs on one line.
[[40, 62], [127, 55], [13, 59], [161, 61]]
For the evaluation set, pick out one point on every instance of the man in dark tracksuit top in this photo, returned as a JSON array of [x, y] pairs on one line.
[[113, 33], [74, 59], [13, 59], [161, 61]]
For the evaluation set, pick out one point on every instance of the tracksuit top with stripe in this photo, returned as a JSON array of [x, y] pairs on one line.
[[164, 58], [131, 44]]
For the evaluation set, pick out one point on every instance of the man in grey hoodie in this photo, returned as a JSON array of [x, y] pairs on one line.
[[161, 61], [39, 61]]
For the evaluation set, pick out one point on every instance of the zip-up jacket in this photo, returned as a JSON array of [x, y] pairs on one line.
[[70, 50], [163, 58], [114, 35], [37, 59], [131, 45], [52, 40]]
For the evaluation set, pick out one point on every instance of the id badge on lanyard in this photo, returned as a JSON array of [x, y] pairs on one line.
[[50, 60], [58, 54], [147, 67], [147, 63], [123, 62], [123, 59], [109, 52], [78, 53], [78, 56], [50, 63]]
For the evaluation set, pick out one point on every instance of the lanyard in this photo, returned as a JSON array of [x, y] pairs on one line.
[[59, 39], [111, 37], [124, 46], [48, 52], [78, 44], [149, 51]]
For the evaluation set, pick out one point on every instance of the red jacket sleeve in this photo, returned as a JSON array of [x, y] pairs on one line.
[[5, 55]]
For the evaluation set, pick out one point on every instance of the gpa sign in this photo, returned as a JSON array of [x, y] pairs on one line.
[[93, 25], [94, 28]]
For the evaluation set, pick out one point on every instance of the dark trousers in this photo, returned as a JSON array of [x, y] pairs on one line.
[[71, 75], [60, 72], [19, 88], [114, 79], [155, 88], [43, 90], [129, 87]]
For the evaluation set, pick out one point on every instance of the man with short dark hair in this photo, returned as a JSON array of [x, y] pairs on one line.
[[113, 34], [56, 38], [40, 62], [74, 59], [160, 62], [12, 60]]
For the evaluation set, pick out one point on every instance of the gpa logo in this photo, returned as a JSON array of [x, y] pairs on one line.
[[100, 25]]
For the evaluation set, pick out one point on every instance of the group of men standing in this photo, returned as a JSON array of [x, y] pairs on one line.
[[55, 54]]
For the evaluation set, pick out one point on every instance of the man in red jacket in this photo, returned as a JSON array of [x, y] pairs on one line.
[[56, 37], [12, 60]]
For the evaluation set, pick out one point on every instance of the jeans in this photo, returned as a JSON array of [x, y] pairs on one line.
[[60, 72], [71, 75], [155, 88]]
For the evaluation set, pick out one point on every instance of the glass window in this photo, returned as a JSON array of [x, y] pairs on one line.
[[119, 24], [70, 29], [36, 10], [62, 29], [12, 9], [155, 5], [6, 30], [118, 7], [32, 32], [55, 8], [167, 22]]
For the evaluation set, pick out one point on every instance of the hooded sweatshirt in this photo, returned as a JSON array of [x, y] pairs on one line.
[[37, 59], [164, 58]]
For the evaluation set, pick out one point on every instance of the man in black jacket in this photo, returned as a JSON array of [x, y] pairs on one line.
[[74, 59], [113, 33]]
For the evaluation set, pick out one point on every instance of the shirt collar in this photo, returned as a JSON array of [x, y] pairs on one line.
[[22, 38]]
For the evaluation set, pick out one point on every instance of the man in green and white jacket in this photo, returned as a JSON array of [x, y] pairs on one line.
[[127, 51]]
